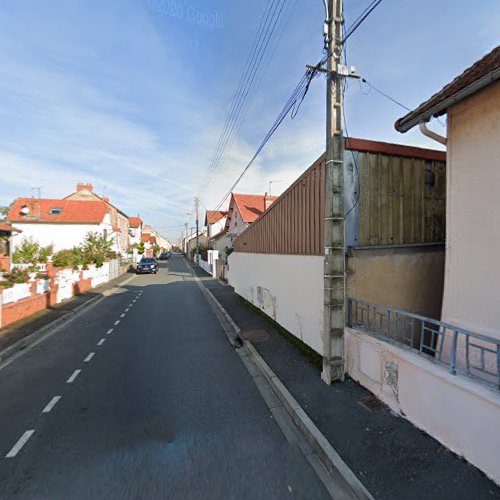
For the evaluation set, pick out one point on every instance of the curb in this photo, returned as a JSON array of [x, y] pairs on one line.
[[11, 352], [327, 454], [318, 442]]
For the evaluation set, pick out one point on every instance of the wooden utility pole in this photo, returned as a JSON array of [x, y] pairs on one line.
[[197, 205], [334, 254], [186, 240]]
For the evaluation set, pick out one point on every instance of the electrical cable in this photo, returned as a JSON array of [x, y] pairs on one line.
[[293, 103], [271, 23], [360, 19]]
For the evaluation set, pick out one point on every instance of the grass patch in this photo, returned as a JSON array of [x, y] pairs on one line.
[[312, 356]]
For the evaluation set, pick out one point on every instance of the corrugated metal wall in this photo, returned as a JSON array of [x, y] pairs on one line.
[[294, 222], [402, 200]]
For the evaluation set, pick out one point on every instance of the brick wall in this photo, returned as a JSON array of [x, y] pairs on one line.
[[27, 307]]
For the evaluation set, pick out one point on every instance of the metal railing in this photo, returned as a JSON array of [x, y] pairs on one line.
[[462, 351]]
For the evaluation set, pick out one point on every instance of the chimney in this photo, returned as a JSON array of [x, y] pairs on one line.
[[268, 201], [81, 186], [105, 199]]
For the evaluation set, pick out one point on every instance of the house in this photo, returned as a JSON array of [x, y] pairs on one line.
[[135, 232], [119, 219], [61, 223], [472, 103], [245, 209], [6, 232], [160, 240], [149, 243], [190, 242], [215, 222]]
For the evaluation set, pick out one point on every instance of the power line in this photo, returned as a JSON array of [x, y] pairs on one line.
[[271, 23], [359, 20], [246, 92], [292, 105], [387, 96]]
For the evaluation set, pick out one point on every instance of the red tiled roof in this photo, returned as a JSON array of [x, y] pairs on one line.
[[250, 206], [214, 216], [72, 211], [477, 76], [10, 229], [147, 238], [135, 222]]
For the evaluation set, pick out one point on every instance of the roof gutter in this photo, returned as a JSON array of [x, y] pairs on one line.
[[431, 134], [441, 107]]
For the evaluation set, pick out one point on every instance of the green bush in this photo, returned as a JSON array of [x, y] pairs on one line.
[[17, 276], [31, 252], [72, 257], [96, 249]]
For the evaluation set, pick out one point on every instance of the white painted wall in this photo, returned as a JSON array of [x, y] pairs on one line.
[[236, 224], [217, 227], [472, 273], [291, 290], [62, 236], [458, 412]]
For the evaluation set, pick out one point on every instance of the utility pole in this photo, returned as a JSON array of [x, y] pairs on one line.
[[186, 241], [334, 254], [197, 205]]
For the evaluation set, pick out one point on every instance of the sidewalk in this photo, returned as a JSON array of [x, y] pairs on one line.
[[23, 328], [392, 458]]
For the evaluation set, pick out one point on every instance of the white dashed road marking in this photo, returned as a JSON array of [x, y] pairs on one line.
[[109, 331], [72, 378], [22, 441], [117, 322], [51, 404], [127, 310], [101, 341], [89, 357], [122, 315]]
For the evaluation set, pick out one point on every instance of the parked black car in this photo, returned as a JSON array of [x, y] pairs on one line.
[[147, 265], [165, 256]]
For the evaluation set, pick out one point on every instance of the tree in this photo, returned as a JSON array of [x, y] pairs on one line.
[[31, 252], [4, 210], [96, 248]]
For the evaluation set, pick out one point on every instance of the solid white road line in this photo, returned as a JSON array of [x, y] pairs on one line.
[[109, 331], [51, 404], [22, 441], [89, 357], [101, 341], [122, 315], [117, 322], [72, 378]]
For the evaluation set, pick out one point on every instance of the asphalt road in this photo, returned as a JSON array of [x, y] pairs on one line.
[[162, 407]]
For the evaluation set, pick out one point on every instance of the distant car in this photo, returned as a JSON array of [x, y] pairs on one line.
[[147, 265], [165, 256]]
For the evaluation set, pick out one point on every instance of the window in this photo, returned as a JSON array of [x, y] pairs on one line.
[[55, 211]]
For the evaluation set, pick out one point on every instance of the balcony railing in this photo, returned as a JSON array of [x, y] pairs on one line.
[[462, 351]]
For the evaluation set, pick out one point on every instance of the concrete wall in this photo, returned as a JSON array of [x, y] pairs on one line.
[[288, 288], [458, 412], [472, 292], [407, 278]]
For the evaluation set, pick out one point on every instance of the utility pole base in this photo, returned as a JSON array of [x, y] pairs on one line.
[[333, 371]]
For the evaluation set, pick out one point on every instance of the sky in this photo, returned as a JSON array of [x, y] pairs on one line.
[[132, 95]]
